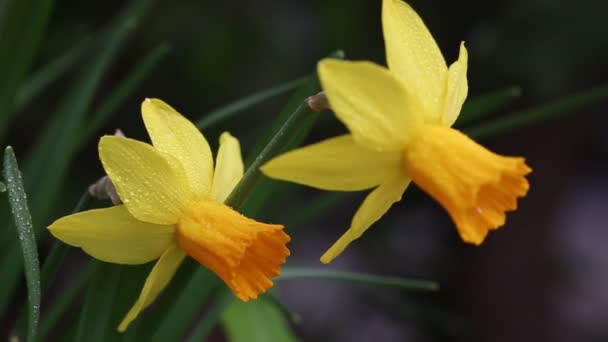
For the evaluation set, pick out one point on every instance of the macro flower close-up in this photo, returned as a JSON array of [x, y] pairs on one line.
[[341, 171], [172, 207], [399, 120]]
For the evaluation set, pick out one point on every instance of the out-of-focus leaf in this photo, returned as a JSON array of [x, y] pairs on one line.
[[401, 283], [255, 321], [23, 222], [22, 26], [223, 298], [46, 169], [49, 73], [173, 321], [122, 91], [541, 113], [240, 105], [483, 105], [55, 258], [98, 305], [63, 302]]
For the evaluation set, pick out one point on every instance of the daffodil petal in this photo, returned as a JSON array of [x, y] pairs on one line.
[[457, 88], [229, 167], [371, 102], [334, 164], [175, 135], [414, 57], [153, 188], [113, 235], [375, 205], [159, 278]]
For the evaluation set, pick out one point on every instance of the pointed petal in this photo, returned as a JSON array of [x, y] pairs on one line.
[[113, 235], [457, 88], [334, 164], [159, 278], [175, 135], [153, 188], [371, 102], [229, 167], [414, 57], [375, 205]]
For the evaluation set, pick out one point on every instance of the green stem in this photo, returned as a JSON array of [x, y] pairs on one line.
[[253, 175], [234, 108], [402, 283]]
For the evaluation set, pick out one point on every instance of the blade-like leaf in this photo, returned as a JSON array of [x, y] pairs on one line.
[[481, 106], [55, 258], [401, 283], [98, 304], [22, 26], [43, 78], [46, 169], [23, 222], [63, 302], [223, 298], [122, 91], [255, 321], [234, 108], [541, 113]]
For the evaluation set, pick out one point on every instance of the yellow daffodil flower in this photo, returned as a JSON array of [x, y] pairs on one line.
[[399, 121], [173, 207]]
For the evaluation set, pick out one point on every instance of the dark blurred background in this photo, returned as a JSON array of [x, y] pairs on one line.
[[540, 278]]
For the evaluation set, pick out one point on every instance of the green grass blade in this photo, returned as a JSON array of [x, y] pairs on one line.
[[43, 78], [98, 304], [185, 304], [541, 113], [53, 261], [124, 89], [22, 26], [54, 151], [65, 300], [223, 298], [481, 106], [46, 169], [234, 108], [256, 321], [283, 137], [400, 283], [23, 221]]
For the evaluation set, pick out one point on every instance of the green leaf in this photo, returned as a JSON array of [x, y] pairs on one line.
[[97, 308], [182, 302], [50, 72], [55, 258], [22, 26], [541, 113], [124, 89], [46, 169], [63, 302], [235, 107], [481, 106], [223, 298], [301, 118], [23, 221], [401, 283], [255, 321]]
